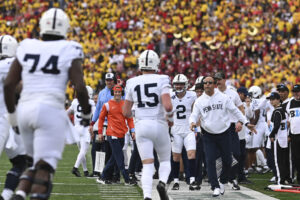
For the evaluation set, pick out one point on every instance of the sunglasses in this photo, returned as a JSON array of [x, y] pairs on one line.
[[208, 82]]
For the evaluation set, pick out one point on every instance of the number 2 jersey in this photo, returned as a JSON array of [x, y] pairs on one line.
[[45, 68], [145, 91], [182, 111]]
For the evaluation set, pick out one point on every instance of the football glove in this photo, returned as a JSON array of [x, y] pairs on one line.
[[86, 118]]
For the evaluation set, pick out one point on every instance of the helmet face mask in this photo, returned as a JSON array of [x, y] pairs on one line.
[[180, 83], [54, 22], [148, 60], [8, 46]]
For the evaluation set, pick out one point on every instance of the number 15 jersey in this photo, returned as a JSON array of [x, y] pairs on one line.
[[145, 92], [45, 67]]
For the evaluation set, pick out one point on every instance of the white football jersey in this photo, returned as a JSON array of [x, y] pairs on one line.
[[4, 68], [145, 91], [45, 67], [258, 104], [182, 108], [76, 109]]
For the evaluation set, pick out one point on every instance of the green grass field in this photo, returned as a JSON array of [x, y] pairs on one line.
[[67, 186], [260, 181]]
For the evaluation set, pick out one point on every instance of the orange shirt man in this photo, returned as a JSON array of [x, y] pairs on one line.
[[116, 122]]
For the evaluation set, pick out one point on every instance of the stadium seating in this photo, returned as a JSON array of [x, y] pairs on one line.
[[254, 42]]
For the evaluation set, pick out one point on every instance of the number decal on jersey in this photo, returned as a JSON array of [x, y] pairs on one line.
[[148, 94], [79, 109], [50, 66], [180, 109], [36, 59]]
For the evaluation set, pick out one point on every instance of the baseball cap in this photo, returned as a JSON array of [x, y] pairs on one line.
[[282, 87], [109, 76], [243, 90], [296, 88], [219, 75], [274, 95]]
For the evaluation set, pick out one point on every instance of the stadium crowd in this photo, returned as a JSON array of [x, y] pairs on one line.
[[192, 37]]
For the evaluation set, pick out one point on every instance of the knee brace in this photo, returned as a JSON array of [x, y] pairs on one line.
[[45, 181], [12, 176]]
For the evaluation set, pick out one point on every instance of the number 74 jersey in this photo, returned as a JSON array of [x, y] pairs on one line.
[[45, 66], [145, 92], [183, 108]]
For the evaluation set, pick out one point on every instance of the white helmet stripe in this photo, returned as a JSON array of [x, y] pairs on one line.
[[147, 58], [1, 44], [54, 19]]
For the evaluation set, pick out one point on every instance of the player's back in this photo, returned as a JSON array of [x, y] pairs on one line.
[[4, 68], [45, 67], [145, 91], [77, 109]]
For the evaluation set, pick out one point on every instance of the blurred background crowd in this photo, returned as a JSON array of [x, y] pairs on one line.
[[255, 42]]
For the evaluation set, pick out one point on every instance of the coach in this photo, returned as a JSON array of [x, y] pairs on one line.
[[213, 109]]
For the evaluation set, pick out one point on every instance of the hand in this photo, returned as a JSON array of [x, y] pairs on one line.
[[170, 123], [272, 139], [133, 135], [289, 139], [91, 129], [100, 137], [252, 128], [92, 135], [193, 126], [238, 127]]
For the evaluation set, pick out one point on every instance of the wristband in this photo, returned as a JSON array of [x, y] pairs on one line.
[[92, 123], [132, 130]]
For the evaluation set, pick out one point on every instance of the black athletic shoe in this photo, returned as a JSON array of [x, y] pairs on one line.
[[86, 173], [155, 176], [76, 172], [175, 186], [161, 188], [234, 185], [17, 197], [194, 186], [147, 198]]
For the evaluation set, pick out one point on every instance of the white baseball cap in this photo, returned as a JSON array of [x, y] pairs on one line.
[[109, 76]]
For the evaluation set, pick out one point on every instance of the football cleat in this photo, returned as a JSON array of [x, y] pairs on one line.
[[161, 188], [76, 172]]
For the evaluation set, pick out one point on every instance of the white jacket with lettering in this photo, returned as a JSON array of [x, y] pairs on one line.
[[214, 112]]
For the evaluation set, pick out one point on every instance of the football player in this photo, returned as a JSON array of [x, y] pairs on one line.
[[150, 95], [259, 109], [83, 132], [10, 141], [45, 66], [182, 101]]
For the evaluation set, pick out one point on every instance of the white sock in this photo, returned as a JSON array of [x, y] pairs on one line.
[[192, 179], [21, 193], [260, 157], [147, 174], [7, 194], [176, 180], [84, 146], [164, 171]]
